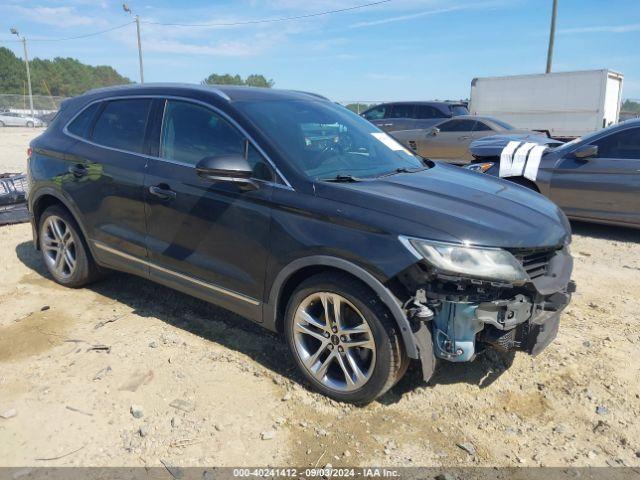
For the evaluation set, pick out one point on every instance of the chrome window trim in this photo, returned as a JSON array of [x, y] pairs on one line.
[[210, 286], [285, 185]]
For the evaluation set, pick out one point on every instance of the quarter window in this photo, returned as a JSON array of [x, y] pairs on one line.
[[122, 124], [192, 132], [482, 127], [80, 125], [625, 144]]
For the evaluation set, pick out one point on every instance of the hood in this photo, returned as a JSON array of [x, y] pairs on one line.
[[450, 204], [492, 146]]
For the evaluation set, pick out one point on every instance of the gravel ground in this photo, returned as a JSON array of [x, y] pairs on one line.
[[127, 372]]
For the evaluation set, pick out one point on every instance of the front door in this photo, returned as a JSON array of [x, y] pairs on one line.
[[209, 239], [605, 187], [450, 142]]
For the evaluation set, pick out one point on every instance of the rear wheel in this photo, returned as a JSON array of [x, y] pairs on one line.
[[64, 249], [1, 124], [343, 338]]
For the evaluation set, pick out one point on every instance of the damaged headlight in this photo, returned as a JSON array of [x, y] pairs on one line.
[[476, 262]]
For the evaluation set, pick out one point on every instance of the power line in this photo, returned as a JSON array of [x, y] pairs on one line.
[[269, 20], [80, 36]]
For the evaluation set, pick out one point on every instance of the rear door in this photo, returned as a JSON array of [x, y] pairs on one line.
[[105, 176], [209, 239], [606, 187], [451, 142]]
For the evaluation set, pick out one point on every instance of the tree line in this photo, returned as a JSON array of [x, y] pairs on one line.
[[58, 77]]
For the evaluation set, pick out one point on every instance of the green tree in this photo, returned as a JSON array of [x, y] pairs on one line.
[[253, 80], [60, 76], [631, 106]]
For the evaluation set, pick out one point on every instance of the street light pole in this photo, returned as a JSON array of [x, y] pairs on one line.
[[552, 35], [26, 62], [126, 8]]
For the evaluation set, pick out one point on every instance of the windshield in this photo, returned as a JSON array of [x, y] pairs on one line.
[[459, 110], [325, 140]]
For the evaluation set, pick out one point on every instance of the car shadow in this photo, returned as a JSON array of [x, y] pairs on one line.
[[215, 324], [605, 232]]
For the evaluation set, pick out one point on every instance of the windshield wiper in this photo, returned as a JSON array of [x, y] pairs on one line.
[[402, 170], [341, 179]]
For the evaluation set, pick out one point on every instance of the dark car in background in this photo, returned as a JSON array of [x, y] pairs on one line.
[[302, 216], [410, 115], [449, 139], [595, 178]]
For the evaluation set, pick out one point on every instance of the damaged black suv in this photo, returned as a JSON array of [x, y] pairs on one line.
[[296, 213]]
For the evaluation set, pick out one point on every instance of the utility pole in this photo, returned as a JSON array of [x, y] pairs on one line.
[[552, 35], [126, 8], [26, 62]]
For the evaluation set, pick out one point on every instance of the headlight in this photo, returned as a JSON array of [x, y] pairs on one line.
[[476, 262], [480, 167]]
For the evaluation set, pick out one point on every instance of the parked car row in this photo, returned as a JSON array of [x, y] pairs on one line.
[[11, 119], [411, 115], [304, 217]]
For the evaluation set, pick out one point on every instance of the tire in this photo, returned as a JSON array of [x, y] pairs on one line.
[[57, 227], [30, 124], [1, 124], [367, 338]]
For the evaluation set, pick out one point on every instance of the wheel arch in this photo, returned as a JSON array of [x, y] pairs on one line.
[[298, 270], [46, 198]]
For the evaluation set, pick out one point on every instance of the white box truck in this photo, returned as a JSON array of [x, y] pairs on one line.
[[563, 104]]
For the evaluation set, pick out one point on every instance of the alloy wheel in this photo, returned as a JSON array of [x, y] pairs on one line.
[[59, 247], [334, 341]]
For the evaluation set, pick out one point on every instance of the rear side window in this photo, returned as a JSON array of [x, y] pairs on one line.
[[457, 126], [400, 110], [425, 111], [80, 125], [122, 124], [482, 127], [375, 113]]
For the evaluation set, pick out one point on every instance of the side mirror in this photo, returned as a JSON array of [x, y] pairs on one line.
[[226, 168], [586, 151], [433, 131]]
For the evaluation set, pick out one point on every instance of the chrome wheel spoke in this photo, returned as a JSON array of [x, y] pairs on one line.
[[321, 371], [311, 320], [334, 341], [307, 330], [59, 247]]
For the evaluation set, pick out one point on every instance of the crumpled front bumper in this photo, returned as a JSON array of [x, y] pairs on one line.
[[525, 318]]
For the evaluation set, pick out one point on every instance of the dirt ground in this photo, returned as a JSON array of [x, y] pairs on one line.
[[127, 372]]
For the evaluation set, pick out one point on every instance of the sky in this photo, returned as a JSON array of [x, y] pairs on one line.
[[398, 50]]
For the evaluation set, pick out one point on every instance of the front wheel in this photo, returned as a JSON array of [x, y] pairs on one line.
[[343, 339], [30, 124]]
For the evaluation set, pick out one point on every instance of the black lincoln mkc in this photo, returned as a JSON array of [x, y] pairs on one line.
[[300, 215]]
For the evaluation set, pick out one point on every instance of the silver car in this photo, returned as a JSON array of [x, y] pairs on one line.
[[449, 139], [11, 119]]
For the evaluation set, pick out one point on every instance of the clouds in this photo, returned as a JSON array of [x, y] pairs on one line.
[[633, 27], [62, 17]]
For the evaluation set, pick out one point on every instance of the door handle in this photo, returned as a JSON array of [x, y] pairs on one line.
[[387, 124], [464, 137], [163, 192], [78, 170]]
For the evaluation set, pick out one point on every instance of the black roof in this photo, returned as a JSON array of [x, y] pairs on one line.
[[228, 92]]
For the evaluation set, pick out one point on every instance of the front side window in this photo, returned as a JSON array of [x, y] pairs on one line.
[[624, 144], [324, 140], [122, 124], [459, 110], [80, 125], [192, 132]]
